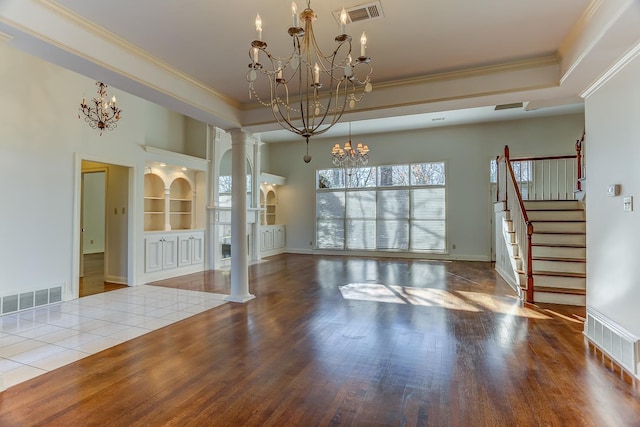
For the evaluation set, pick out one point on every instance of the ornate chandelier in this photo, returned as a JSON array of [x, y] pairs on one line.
[[350, 157], [308, 91], [102, 114]]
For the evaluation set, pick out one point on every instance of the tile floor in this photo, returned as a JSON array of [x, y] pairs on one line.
[[39, 340]]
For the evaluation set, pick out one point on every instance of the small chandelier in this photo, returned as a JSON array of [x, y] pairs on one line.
[[102, 114], [350, 157], [308, 90]]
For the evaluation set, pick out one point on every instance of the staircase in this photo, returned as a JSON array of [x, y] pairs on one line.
[[541, 248], [558, 246]]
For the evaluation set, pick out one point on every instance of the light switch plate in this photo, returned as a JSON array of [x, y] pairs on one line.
[[627, 203], [613, 190]]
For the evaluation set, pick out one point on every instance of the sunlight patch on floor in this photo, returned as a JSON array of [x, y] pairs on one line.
[[429, 297]]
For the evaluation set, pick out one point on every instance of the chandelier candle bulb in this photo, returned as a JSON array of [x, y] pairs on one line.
[[363, 44], [294, 14], [279, 72], [316, 74], [343, 21], [259, 26]]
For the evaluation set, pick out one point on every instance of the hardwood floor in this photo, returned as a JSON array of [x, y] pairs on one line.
[[407, 342], [93, 280]]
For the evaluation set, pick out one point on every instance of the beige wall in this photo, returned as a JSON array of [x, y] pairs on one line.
[[613, 236], [466, 150], [41, 140]]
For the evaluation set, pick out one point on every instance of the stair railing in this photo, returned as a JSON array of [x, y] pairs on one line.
[[508, 191]]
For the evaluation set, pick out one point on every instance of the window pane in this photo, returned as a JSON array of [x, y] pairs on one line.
[[224, 184], [361, 234], [493, 171], [428, 174], [330, 233], [428, 203], [330, 204], [361, 204], [393, 204], [224, 216], [361, 177], [428, 236], [330, 178], [393, 176], [393, 234]]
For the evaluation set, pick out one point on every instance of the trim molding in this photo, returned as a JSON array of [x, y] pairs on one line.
[[632, 54], [121, 43], [4, 37]]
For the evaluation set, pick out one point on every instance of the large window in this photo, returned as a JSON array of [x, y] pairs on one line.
[[396, 208]]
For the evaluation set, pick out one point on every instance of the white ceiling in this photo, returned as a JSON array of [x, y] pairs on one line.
[[431, 58], [210, 40]]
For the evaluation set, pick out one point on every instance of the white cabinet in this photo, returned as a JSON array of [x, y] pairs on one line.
[[167, 251], [272, 239], [190, 249], [161, 252]]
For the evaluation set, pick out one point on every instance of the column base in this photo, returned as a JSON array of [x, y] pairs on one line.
[[240, 298]]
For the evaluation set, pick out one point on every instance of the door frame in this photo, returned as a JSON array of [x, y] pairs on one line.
[[83, 172], [72, 290]]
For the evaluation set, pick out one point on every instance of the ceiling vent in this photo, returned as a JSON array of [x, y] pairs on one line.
[[508, 106], [363, 12]]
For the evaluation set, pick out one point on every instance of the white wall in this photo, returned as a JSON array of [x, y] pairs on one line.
[[467, 151], [41, 140], [613, 236]]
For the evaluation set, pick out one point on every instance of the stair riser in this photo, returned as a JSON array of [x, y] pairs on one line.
[[559, 282], [566, 227], [558, 252], [551, 205], [559, 239], [552, 298], [559, 266], [556, 215]]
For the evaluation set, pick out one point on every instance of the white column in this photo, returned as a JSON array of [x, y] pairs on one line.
[[239, 261], [212, 240], [257, 168]]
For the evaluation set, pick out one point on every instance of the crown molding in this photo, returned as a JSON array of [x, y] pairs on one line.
[[129, 48], [623, 62], [4, 37], [444, 77]]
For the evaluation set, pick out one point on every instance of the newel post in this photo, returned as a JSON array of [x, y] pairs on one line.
[[579, 158], [529, 263]]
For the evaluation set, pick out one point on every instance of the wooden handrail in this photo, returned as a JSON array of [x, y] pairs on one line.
[[524, 159], [511, 175]]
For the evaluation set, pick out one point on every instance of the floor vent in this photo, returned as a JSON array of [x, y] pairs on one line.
[[363, 12], [620, 345], [25, 300]]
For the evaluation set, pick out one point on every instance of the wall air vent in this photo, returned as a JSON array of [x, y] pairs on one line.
[[363, 12], [508, 106]]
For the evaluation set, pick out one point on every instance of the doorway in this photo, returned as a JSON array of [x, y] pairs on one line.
[[103, 228]]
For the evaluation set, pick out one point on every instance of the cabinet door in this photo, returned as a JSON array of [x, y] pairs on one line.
[[153, 254], [278, 238], [197, 255], [185, 251], [266, 240], [170, 252]]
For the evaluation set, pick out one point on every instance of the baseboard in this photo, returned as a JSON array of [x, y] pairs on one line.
[[118, 280], [613, 340], [383, 254]]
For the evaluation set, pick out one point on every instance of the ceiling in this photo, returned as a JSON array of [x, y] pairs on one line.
[[429, 56]]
